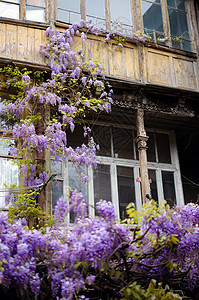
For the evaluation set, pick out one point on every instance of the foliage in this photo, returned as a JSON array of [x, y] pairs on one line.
[[150, 210], [136, 292]]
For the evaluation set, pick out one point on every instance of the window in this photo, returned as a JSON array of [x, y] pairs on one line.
[[178, 24], [9, 172], [152, 18], [68, 11], [121, 12], [9, 9], [155, 22], [117, 176], [35, 10], [32, 10], [95, 10], [73, 10]]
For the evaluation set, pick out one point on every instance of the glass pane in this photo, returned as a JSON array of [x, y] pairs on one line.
[[15, 1], [102, 137], [74, 181], [163, 146], [9, 175], [171, 3], [153, 185], [4, 124], [102, 183], [8, 10], [168, 187], [70, 5], [5, 145], [181, 4], [178, 24], [35, 14], [57, 191], [74, 17], [126, 188], [123, 143], [69, 11], [121, 11], [151, 147], [152, 16], [95, 8], [186, 45], [56, 167], [40, 3], [63, 15]]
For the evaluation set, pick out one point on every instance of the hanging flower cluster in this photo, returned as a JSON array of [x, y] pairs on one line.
[[75, 89], [60, 257]]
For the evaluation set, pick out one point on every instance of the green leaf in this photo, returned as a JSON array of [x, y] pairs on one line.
[[117, 275], [111, 273], [77, 265]]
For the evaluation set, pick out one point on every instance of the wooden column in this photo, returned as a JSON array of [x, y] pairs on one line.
[[141, 140]]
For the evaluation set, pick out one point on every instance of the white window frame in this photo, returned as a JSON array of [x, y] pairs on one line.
[[13, 180], [132, 163]]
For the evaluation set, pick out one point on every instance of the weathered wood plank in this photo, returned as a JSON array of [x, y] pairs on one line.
[[11, 41], [3, 31], [23, 43], [97, 49], [158, 68], [40, 38], [184, 72], [31, 50]]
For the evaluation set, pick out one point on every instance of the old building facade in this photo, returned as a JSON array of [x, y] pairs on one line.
[[149, 143]]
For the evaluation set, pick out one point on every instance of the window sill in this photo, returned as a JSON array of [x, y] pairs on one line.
[[25, 23], [171, 50]]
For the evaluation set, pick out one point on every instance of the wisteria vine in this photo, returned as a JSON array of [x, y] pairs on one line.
[[97, 255]]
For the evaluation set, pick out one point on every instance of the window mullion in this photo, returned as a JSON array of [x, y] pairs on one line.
[[138, 15], [133, 13], [90, 199], [114, 189], [107, 14], [49, 7], [65, 175], [134, 144], [193, 32], [165, 17], [22, 10], [112, 148], [83, 9], [177, 174], [159, 186], [137, 190], [156, 149]]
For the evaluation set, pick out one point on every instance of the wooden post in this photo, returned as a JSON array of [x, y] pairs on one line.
[[141, 140]]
